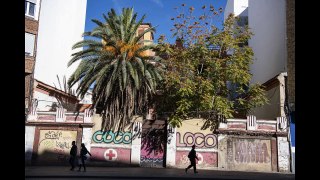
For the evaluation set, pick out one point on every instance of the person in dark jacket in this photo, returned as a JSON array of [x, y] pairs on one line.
[[192, 157], [83, 157], [73, 155]]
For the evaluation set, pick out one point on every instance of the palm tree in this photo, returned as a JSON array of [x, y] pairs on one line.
[[115, 62]]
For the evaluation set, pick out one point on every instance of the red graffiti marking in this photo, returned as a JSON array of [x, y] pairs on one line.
[[246, 152], [111, 155]]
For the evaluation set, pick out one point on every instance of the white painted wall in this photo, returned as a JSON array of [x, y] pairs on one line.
[[267, 20], [61, 24], [236, 7], [86, 137], [171, 148], [136, 144], [44, 101]]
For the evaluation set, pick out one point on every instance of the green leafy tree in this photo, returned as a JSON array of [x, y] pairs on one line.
[[115, 61], [208, 75]]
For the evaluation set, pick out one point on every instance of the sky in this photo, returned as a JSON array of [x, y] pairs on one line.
[[158, 12]]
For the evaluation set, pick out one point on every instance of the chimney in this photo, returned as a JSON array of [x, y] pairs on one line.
[[179, 43]]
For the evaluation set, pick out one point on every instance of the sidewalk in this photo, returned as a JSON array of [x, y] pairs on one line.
[[146, 173]]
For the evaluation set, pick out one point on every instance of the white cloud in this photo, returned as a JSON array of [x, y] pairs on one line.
[[158, 2]]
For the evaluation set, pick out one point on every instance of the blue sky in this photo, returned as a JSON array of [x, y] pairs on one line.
[[158, 12]]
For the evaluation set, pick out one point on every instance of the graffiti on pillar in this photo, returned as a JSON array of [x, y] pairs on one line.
[[137, 130], [112, 137], [249, 154], [198, 139], [54, 145]]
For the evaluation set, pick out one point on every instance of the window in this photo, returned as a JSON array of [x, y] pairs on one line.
[[29, 44], [30, 7]]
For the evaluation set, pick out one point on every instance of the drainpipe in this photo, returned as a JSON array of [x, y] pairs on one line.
[[288, 112]]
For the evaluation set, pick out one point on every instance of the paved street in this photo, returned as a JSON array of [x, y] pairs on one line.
[[63, 172]]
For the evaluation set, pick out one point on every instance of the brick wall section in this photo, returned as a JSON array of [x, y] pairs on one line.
[[291, 50], [31, 25], [28, 64], [27, 83]]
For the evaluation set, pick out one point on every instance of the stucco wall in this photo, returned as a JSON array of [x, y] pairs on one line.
[[267, 20], [61, 24]]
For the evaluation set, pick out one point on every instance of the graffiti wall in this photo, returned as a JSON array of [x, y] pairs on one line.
[[153, 143], [110, 155], [249, 154], [110, 137], [206, 143], [110, 147], [206, 159], [55, 145]]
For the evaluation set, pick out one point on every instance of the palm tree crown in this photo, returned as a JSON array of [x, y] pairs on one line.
[[115, 61]]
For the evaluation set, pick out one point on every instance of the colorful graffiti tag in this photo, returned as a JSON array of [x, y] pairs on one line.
[[112, 137], [55, 144], [198, 139]]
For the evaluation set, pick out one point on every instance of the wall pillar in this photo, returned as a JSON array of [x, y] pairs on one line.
[[222, 151], [136, 143], [32, 116], [171, 147], [283, 154], [29, 140], [61, 115], [251, 123]]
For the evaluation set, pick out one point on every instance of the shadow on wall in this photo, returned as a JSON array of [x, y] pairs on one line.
[[153, 143], [51, 158]]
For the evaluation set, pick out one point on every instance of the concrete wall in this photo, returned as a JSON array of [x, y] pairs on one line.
[[206, 143], [245, 153], [44, 100], [52, 143], [29, 140], [61, 24], [236, 7], [272, 109], [267, 20], [283, 154]]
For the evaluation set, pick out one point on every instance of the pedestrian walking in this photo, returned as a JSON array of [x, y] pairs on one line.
[[73, 155], [192, 157], [83, 152]]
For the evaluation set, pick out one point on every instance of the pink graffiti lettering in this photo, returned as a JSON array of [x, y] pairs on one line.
[[198, 139], [248, 152]]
